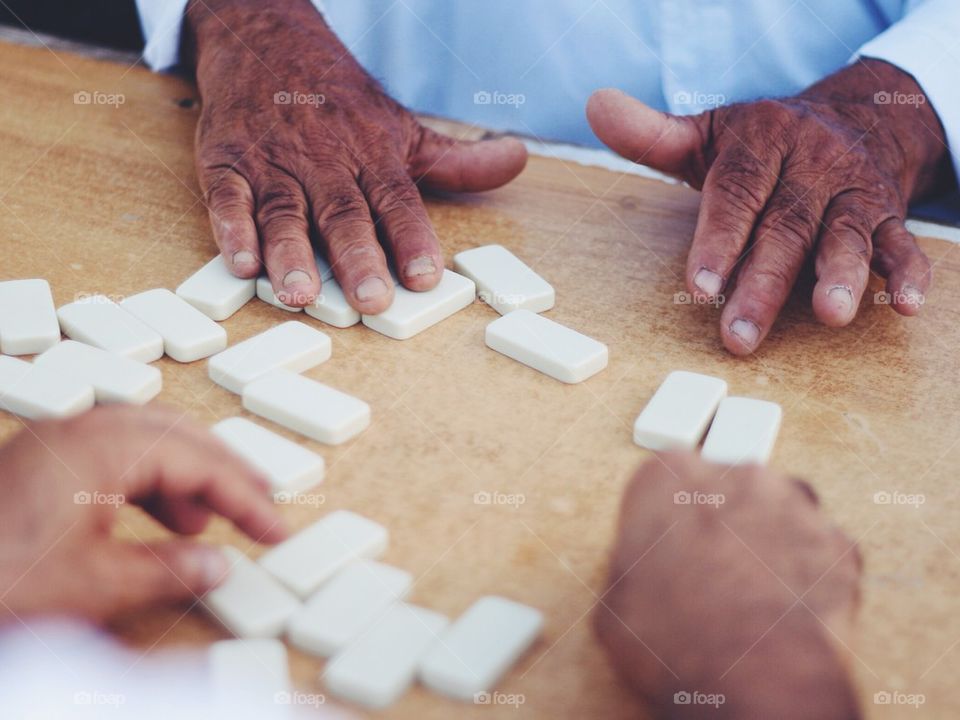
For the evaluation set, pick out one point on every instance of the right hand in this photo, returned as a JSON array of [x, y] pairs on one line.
[[62, 483], [296, 138], [730, 582]]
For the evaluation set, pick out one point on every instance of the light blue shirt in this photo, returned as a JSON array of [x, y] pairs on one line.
[[528, 66]]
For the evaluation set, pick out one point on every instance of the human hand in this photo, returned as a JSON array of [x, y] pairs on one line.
[[296, 139], [63, 482], [828, 172], [730, 583]]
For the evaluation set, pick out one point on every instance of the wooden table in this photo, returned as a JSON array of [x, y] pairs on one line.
[[99, 198]]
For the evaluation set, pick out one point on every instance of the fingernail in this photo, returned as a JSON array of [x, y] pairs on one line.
[[296, 277], [243, 257], [210, 566], [420, 266], [746, 331], [371, 288], [912, 296], [708, 281], [842, 298]]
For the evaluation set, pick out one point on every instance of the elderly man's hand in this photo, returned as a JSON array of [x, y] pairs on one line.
[[731, 595], [62, 483], [295, 139], [828, 172]]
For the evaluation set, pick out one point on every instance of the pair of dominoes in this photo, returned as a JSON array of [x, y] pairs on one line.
[[741, 430], [325, 590]]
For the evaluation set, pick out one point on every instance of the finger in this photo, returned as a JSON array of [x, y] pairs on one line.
[[230, 204], [133, 575], [443, 163], [735, 192], [843, 259], [287, 253], [342, 218], [181, 515], [159, 459], [907, 269], [782, 240], [670, 143], [404, 223]]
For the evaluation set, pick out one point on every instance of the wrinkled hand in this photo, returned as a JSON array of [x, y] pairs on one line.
[[829, 172], [295, 138], [730, 582], [62, 483]]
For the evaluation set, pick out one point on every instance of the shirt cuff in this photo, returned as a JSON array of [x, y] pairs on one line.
[[923, 44], [162, 24]]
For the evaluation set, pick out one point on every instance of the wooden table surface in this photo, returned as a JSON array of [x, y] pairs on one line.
[[100, 198]]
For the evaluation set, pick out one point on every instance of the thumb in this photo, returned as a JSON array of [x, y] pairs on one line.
[[673, 144], [142, 574], [443, 163]]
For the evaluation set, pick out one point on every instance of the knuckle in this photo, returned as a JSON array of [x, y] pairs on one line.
[[773, 277], [741, 190], [279, 205], [343, 207], [395, 196]]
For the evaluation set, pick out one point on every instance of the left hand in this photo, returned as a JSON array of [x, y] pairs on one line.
[[62, 483], [828, 172]]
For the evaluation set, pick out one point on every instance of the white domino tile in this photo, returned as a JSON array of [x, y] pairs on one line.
[[380, 665], [28, 319], [413, 312], [479, 647], [187, 333], [265, 292], [309, 558], [743, 432], [331, 306], [215, 291], [547, 346], [503, 280], [115, 379], [291, 346], [250, 603], [36, 393], [255, 672], [678, 414], [99, 321], [291, 468], [305, 406], [346, 606]]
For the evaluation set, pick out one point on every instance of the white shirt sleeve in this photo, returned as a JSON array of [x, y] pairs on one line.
[[162, 22], [924, 44]]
